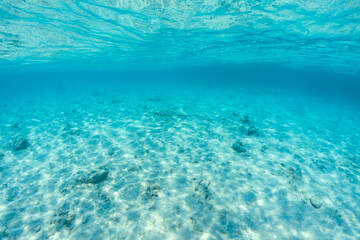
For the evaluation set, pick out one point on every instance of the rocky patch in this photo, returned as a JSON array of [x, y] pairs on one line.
[[238, 147], [20, 144], [202, 188], [151, 191], [252, 131], [63, 218], [316, 203], [94, 177]]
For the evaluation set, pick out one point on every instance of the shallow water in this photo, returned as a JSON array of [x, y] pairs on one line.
[[179, 119], [109, 160]]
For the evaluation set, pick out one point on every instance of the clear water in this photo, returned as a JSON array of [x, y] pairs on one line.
[[123, 34], [179, 119]]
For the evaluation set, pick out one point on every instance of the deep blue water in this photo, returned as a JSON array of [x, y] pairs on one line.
[[171, 119]]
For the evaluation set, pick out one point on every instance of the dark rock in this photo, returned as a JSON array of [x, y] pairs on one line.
[[94, 177], [2, 156], [264, 148], [315, 203], [202, 188], [98, 176], [20, 143], [235, 114], [15, 125], [63, 218], [151, 192], [252, 131], [238, 147], [245, 119]]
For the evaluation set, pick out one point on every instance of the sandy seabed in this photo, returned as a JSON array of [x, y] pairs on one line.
[[199, 164]]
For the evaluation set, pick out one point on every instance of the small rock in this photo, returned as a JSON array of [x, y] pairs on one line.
[[98, 176], [2, 156], [202, 188], [20, 144], [94, 177], [151, 192], [264, 148], [245, 119], [238, 147], [63, 218], [315, 203], [252, 131]]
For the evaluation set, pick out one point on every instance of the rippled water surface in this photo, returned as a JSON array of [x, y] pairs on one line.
[[122, 34]]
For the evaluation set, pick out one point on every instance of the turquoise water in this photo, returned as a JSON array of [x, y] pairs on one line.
[[124, 34], [179, 119]]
